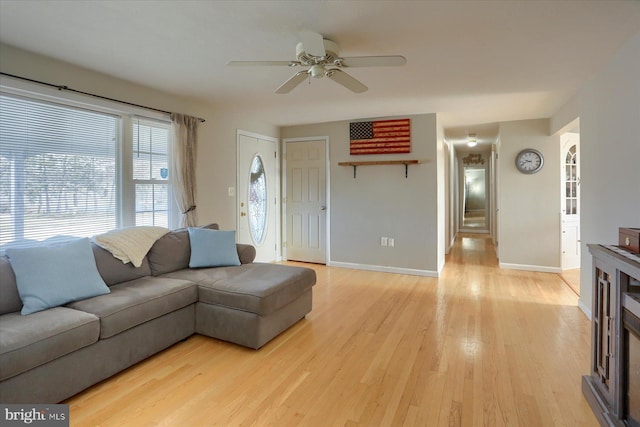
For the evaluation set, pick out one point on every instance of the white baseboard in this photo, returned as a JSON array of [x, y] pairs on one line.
[[384, 269], [586, 310], [540, 268]]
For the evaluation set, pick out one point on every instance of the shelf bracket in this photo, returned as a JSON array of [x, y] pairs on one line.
[[354, 171], [406, 170]]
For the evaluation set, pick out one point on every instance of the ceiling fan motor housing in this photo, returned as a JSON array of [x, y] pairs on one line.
[[329, 57]]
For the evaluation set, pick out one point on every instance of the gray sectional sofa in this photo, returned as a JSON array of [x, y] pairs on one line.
[[50, 355]]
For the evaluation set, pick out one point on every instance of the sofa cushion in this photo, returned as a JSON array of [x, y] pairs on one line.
[[131, 303], [52, 275], [30, 341], [257, 288], [114, 271], [172, 251], [212, 248], [246, 253], [9, 297]]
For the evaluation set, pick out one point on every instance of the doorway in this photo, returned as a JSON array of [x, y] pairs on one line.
[[306, 206], [570, 208], [475, 198], [257, 196], [474, 192]]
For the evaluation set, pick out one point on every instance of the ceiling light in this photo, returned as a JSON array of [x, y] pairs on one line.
[[471, 140]]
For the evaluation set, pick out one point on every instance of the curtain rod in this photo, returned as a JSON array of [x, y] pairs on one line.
[[67, 88]]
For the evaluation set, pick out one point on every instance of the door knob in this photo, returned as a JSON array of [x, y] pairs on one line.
[[323, 208]]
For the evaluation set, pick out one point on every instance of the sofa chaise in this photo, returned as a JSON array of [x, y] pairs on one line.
[[50, 355]]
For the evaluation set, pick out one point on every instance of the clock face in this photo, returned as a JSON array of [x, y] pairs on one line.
[[529, 161]]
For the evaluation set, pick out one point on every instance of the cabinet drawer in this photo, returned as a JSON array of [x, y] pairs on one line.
[[629, 238]]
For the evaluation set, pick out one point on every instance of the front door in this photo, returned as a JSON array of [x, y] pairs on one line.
[[570, 204], [257, 196], [306, 201]]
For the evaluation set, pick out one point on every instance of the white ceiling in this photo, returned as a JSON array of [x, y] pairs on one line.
[[475, 62]]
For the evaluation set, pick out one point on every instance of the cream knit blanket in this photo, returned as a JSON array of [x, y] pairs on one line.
[[130, 244]]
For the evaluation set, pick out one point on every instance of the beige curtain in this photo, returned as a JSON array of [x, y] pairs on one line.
[[183, 166]]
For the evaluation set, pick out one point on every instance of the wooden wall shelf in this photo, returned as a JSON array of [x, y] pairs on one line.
[[406, 164]]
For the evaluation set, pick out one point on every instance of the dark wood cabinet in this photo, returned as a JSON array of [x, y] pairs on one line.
[[604, 333], [614, 272]]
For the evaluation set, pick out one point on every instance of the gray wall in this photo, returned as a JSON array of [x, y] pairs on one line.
[[609, 111], [529, 204], [381, 201]]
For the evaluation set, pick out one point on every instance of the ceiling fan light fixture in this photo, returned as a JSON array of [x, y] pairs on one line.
[[317, 71]]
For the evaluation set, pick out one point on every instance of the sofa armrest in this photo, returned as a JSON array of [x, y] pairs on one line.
[[246, 253]]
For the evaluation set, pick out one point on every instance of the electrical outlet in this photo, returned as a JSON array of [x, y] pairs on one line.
[[384, 241], [391, 241]]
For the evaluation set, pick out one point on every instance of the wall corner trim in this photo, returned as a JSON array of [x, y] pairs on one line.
[[586, 310]]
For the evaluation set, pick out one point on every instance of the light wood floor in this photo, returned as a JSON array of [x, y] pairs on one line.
[[480, 346], [572, 279]]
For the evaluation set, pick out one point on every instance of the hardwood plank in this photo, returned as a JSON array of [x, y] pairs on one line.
[[572, 279], [479, 346]]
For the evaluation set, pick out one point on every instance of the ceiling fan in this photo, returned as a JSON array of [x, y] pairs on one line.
[[321, 56]]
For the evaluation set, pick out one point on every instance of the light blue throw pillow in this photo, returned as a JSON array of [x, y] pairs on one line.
[[212, 248], [52, 275]]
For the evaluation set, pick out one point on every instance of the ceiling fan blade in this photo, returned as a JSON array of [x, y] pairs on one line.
[[313, 43], [293, 82], [373, 61], [346, 80], [261, 63]]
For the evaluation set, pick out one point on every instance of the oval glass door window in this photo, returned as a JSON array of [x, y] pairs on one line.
[[257, 205]]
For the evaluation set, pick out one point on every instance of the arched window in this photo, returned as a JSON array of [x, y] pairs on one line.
[[258, 196], [571, 182]]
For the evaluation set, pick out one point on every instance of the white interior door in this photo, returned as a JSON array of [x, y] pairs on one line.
[[257, 198], [570, 203], [306, 201]]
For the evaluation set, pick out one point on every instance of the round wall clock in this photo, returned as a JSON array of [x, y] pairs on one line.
[[529, 161]]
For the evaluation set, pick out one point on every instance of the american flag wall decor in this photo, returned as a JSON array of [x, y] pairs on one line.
[[380, 137]]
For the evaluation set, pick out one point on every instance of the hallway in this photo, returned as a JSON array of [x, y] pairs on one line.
[[473, 249]]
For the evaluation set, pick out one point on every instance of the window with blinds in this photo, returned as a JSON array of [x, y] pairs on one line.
[[151, 172], [58, 169]]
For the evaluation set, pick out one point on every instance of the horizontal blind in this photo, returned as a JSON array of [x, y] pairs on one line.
[[57, 171]]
